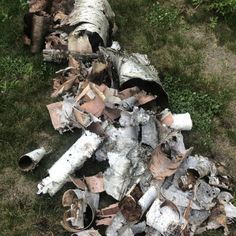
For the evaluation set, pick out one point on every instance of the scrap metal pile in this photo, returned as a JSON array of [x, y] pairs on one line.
[[117, 100]]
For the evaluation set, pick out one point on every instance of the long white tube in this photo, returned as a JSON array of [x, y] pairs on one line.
[[74, 158]]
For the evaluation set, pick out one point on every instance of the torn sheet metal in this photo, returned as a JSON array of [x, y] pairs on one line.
[[89, 232], [37, 5], [205, 194], [122, 143], [115, 46], [202, 165], [79, 44], [197, 218], [161, 166], [164, 217], [149, 231], [82, 208], [54, 111], [230, 210], [106, 215], [150, 133], [135, 70], [166, 117], [138, 228], [117, 224], [180, 198], [62, 114], [129, 206], [216, 220], [55, 55], [174, 146], [79, 183], [83, 118], [220, 181], [57, 40], [95, 183], [74, 158], [117, 178], [30, 160], [66, 86], [94, 103]]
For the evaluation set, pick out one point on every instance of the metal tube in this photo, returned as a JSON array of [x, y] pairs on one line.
[[30, 160], [74, 158]]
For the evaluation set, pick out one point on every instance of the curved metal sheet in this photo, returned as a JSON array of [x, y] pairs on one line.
[[93, 16], [136, 70]]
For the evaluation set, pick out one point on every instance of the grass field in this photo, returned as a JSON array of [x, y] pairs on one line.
[[192, 46]]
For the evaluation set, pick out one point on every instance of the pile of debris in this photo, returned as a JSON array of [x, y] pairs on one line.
[[157, 186]]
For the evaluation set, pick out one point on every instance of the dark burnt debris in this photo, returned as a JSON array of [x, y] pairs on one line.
[[155, 186]]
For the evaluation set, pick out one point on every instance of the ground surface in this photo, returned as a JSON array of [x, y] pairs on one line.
[[195, 52]]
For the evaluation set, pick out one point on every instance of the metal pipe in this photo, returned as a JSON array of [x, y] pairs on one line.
[[73, 158], [30, 160]]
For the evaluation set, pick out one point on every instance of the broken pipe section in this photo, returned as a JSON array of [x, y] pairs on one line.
[[82, 206], [29, 161], [74, 158]]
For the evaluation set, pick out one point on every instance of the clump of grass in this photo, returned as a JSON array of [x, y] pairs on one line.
[[201, 106], [223, 8], [162, 17]]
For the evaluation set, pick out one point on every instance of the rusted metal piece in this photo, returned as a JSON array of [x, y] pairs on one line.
[[95, 183], [106, 215], [161, 166], [129, 206], [88, 232], [39, 28]]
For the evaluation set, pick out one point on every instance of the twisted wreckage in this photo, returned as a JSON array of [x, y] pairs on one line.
[[129, 136]]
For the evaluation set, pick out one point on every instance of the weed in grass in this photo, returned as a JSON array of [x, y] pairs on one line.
[[201, 106], [224, 8], [163, 18]]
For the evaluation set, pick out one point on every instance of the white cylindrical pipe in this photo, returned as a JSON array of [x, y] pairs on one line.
[[30, 160], [148, 198], [74, 158], [182, 122]]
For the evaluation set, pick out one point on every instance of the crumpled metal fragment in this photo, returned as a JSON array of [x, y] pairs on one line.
[[202, 165], [167, 157], [88, 232], [164, 217], [106, 215], [205, 194]]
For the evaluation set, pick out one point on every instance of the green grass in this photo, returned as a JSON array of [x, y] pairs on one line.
[[159, 30]]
